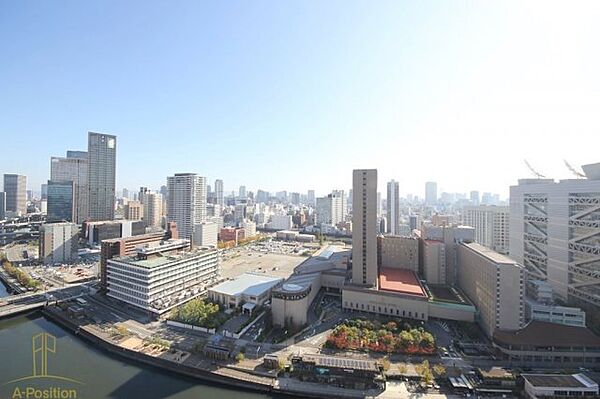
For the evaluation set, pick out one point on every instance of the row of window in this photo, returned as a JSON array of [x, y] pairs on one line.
[[386, 310]]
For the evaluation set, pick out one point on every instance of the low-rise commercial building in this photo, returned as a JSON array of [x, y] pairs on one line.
[[339, 372], [231, 234], [541, 341], [559, 385], [554, 314], [291, 235], [247, 288]]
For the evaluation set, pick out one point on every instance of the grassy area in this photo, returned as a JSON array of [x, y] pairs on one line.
[[200, 313], [393, 336]]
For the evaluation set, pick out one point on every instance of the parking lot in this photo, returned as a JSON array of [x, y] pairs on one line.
[[21, 252], [58, 276], [243, 261]]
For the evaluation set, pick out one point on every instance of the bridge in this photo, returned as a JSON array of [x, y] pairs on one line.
[[17, 304]]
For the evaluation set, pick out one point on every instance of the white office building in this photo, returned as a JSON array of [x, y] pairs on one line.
[[205, 234], [331, 209], [281, 222], [249, 228], [161, 276], [491, 224], [555, 233]]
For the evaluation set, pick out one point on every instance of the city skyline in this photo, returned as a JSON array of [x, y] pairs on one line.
[[183, 95]]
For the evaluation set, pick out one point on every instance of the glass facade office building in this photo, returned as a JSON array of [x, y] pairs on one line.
[[60, 201]]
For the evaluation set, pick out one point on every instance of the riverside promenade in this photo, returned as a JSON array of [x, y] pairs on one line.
[[197, 366]]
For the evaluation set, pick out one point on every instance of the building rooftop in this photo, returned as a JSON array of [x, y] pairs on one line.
[[162, 259], [298, 282], [545, 334], [340, 362], [560, 380], [332, 257], [400, 280], [496, 372], [248, 284], [489, 253]]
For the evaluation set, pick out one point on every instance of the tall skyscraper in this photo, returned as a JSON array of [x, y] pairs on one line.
[[187, 202], [554, 233], [125, 193], [393, 207], [73, 168], [242, 192], [364, 230], [102, 159], [431, 193], [61, 201], [15, 188], [219, 192]]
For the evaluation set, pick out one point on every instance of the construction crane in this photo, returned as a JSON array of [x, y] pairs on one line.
[[579, 175], [535, 172]]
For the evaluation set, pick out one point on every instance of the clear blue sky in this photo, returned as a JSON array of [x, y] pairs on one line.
[[294, 95]]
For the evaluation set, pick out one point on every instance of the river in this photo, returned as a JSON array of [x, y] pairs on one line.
[[3, 290], [101, 375]]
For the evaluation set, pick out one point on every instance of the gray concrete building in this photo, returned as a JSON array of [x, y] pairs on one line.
[[15, 189]]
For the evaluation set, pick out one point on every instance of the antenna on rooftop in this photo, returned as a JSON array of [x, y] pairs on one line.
[[578, 174], [535, 172]]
